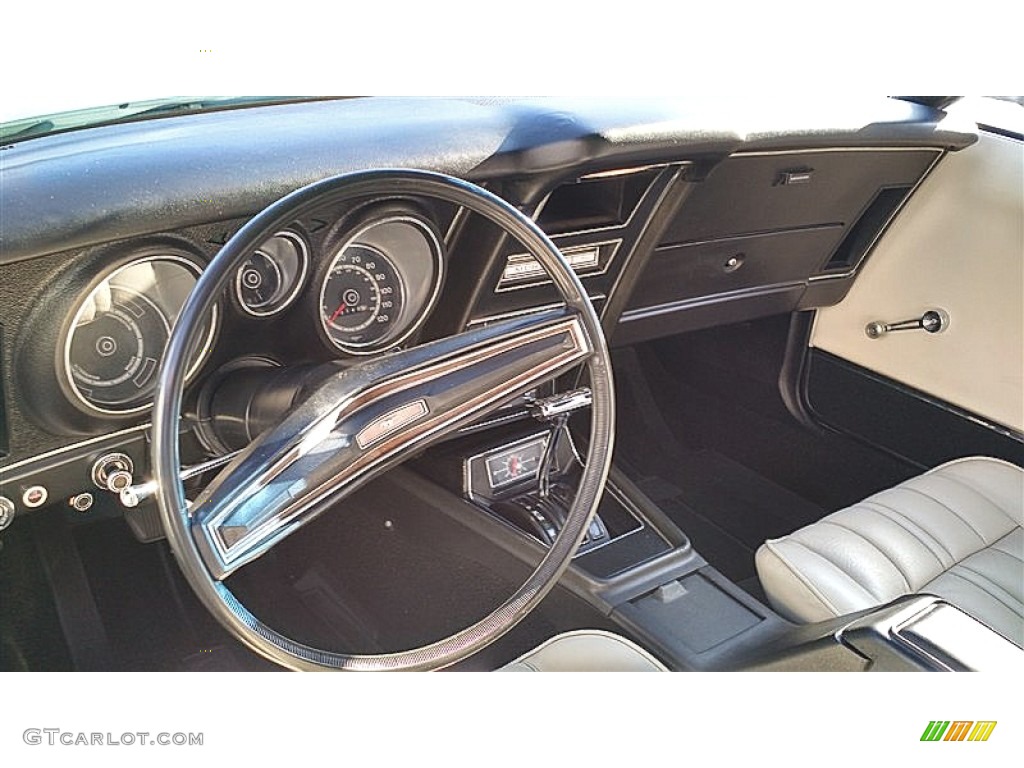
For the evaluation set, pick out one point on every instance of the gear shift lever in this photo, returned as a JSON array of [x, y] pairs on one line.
[[544, 470], [555, 410]]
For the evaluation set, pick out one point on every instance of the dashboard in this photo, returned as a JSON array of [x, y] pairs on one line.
[[673, 218]]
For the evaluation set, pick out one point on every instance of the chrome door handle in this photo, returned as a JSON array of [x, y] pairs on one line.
[[932, 321]]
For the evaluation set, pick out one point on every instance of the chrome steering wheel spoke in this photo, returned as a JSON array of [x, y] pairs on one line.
[[364, 419]]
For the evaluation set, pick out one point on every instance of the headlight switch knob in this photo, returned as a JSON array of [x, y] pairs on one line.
[[113, 472]]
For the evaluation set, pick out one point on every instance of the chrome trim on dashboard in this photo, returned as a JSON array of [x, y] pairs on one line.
[[655, 310], [505, 285], [457, 219], [623, 171], [73, 447]]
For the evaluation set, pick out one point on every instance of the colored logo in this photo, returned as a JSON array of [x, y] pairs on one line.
[[958, 730]]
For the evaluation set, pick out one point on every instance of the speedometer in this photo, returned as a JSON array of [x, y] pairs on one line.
[[362, 297], [382, 281]]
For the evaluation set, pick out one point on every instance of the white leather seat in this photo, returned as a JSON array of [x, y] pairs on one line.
[[587, 650], [955, 532]]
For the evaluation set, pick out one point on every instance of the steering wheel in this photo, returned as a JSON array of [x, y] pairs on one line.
[[365, 418]]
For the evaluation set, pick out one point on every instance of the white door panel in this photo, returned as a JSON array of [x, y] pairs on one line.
[[958, 245]]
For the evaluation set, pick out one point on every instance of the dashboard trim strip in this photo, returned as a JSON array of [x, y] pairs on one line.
[[73, 447]]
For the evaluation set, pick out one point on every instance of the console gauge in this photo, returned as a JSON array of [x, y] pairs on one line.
[[515, 463]]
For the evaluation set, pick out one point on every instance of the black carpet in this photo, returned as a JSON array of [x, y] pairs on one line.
[[387, 570], [703, 430], [30, 633], [152, 619]]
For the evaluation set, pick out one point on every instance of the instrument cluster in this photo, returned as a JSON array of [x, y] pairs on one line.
[[364, 286]]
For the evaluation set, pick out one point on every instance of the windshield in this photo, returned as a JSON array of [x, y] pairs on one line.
[[32, 127]]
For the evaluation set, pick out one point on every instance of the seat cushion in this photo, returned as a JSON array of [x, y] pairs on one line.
[[587, 650], [955, 532]]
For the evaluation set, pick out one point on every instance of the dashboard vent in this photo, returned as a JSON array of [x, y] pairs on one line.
[[595, 202], [867, 229]]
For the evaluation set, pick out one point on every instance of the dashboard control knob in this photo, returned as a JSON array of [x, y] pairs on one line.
[[119, 480], [6, 512], [107, 466], [81, 503], [35, 496], [134, 495]]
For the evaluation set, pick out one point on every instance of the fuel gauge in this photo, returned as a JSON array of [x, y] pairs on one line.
[[271, 278]]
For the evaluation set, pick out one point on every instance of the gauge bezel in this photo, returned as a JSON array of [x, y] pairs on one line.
[[79, 400], [418, 314], [300, 281]]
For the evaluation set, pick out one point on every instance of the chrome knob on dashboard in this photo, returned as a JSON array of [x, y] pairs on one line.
[[118, 481], [6, 512], [113, 472], [81, 502]]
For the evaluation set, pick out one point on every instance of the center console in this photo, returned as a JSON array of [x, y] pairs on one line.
[[634, 564], [524, 478]]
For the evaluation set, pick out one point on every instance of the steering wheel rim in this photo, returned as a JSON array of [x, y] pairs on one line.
[[180, 524]]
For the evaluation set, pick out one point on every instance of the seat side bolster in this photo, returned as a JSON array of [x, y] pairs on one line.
[[783, 568], [1001, 482], [586, 650]]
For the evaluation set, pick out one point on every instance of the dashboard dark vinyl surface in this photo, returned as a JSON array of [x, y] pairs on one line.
[[69, 203], [97, 185]]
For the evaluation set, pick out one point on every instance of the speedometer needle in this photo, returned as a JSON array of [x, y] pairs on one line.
[[338, 311]]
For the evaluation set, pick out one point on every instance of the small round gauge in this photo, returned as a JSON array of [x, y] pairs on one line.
[[362, 298], [120, 330], [270, 279]]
